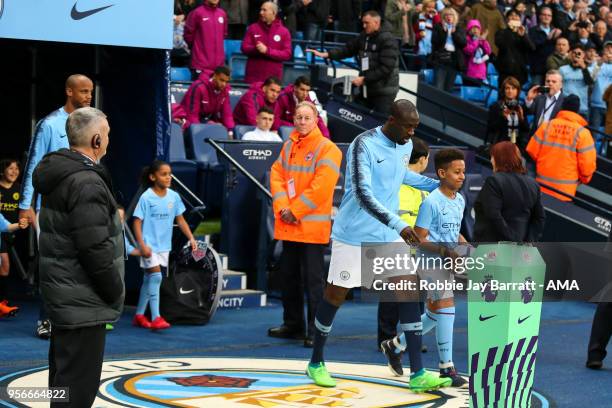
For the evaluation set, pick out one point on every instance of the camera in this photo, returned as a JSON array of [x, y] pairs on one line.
[[512, 105], [543, 89]]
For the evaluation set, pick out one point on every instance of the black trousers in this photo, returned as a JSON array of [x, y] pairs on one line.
[[75, 361], [302, 268], [600, 332], [380, 103]]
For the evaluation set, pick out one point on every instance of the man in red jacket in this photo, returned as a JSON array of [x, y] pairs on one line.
[[287, 101], [258, 95], [207, 100], [205, 30], [267, 43]]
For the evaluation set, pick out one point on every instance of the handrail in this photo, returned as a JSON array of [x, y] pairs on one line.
[[248, 175], [576, 199]]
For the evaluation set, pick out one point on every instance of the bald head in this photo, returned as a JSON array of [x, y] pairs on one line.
[[403, 110], [79, 91], [402, 122]]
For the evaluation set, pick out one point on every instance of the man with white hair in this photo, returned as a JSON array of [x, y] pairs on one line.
[[50, 136], [267, 43], [81, 254]]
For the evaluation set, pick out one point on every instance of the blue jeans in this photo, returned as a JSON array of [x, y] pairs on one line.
[[312, 32], [597, 117]]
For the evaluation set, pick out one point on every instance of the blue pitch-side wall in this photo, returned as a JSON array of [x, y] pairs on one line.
[[132, 23]]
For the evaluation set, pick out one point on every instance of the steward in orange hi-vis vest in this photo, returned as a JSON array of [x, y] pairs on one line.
[[564, 152], [303, 179]]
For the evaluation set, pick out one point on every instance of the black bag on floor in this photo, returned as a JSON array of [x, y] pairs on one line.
[[190, 293]]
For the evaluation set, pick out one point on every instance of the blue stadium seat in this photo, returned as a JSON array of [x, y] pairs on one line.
[[237, 64], [241, 130], [210, 174], [458, 80], [185, 170], [231, 47], [180, 74], [494, 80], [492, 97], [491, 69], [298, 52], [473, 93], [291, 73], [428, 75], [285, 131]]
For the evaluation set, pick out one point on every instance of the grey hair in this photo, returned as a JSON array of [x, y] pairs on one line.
[[81, 124], [308, 104], [274, 6]]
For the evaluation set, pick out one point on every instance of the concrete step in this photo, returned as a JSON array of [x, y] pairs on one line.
[[224, 262], [234, 280], [236, 299]]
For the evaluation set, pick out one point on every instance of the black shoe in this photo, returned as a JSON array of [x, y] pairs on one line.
[[309, 342], [285, 332], [394, 360], [594, 364], [43, 330], [458, 381]]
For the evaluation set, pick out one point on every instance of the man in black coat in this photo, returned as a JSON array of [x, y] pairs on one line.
[[81, 255], [514, 45], [378, 56], [543, 37]]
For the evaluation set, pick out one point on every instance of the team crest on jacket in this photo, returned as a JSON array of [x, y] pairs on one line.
[[221, 20], [277, 38], [309, 156], [240, 382]]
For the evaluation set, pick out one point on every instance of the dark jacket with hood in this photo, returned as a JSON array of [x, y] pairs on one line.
[[381, 48], [81, 242]]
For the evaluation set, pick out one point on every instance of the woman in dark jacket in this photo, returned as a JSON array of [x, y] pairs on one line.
[[507, 119], [447, 43], [513, 46], [508, 207]]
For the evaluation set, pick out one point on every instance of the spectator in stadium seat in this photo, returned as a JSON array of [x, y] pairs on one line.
[[507, 119], [603, 80], [262, 132], [564, 151], [289, 98], [564, 16], [592, 59], [50, 136], [399, 14], [378, 54], [543, 37], [267, 43], [509, 207], [545, 102], [447, 43], [463, 11], [514, 47], [600, 36], [491, 20], [205, 30], [561, 55], [527, 13], [207, 101], [422, 26], [259, 94], [237, 17], [302, 183], [312, 16], [582, 34], [577, 77], [476, 51]]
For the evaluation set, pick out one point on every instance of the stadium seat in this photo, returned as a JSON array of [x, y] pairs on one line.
[[493, 80], [428, 75], [458, 80], [298, 52], [474, 94], [237, 64], [180, 74], [493, 95], [185, 170], [232, 47], [285, 131], [241, 130], [178, 91], [491, 69], [291, 73]]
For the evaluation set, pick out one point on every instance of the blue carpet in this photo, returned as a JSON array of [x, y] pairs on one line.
[[560, 372]]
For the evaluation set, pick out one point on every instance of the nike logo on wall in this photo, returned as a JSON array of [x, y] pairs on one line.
[[185, 292], [522, 320], [482, 319], [79, 15]]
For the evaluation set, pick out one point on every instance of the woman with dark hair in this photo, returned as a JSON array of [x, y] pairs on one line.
[[507, 119], [508, 207]]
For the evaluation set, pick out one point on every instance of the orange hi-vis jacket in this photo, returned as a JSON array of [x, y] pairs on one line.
[[564, 152], [303, 179]]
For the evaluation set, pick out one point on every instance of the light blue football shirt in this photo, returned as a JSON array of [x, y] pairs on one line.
[[157, 215], [441, 216]]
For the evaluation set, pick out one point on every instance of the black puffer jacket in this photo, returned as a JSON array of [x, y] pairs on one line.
[[382, 77], [81, 242]]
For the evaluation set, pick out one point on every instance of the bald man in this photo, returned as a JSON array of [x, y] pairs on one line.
[[375, 170], [50, 136], [267, 43]]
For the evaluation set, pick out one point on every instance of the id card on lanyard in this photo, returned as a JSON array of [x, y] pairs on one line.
[[291, 188], [365, 59]]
